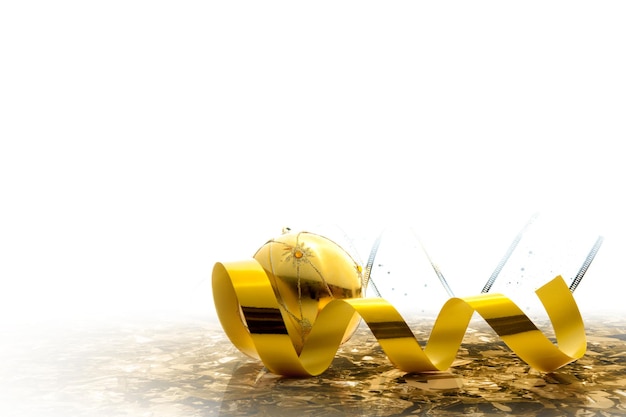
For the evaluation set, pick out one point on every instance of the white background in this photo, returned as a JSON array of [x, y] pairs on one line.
[[140, 142]]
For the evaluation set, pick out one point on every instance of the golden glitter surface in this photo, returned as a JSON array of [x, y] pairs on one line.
[[164, 366]]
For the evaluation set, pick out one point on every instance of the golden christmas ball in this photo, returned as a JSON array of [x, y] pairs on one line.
[[307, 271]]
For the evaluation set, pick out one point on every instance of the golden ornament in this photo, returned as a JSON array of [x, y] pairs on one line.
[[307, 271]]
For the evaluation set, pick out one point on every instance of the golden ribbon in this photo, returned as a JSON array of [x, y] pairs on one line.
[[253, 320]]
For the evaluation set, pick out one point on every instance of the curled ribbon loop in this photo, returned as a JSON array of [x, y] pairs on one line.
[[253, 320]]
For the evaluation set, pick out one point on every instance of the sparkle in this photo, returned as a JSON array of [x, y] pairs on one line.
[[306, 325], [298, 254]]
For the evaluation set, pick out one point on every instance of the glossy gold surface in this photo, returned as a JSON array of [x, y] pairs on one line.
[[244, 286], [306, 272]]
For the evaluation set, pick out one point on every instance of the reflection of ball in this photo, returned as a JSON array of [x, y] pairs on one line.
[[307, 271]]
